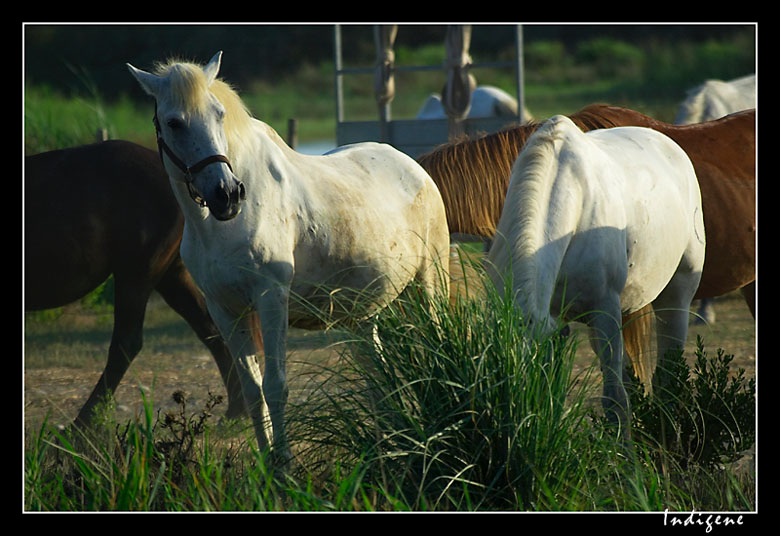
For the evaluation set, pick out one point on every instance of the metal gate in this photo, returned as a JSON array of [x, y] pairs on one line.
[[417, 136]]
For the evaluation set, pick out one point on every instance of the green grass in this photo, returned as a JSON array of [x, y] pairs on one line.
[[459, 409]]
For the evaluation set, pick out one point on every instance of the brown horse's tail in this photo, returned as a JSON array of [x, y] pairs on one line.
[[257, 337], [637, 331]]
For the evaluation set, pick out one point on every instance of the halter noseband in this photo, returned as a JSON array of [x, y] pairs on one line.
[[187, 170]]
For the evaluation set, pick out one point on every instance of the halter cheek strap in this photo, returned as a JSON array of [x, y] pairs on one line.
[[188, 171]]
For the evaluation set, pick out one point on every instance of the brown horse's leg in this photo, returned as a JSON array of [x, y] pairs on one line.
[[179, 291], [126, 341], [749, 292]]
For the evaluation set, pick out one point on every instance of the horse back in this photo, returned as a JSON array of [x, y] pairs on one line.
[[723, 154], [91, 211]]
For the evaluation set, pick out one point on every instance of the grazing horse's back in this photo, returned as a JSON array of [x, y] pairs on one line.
[[473, 174], [586, 192]]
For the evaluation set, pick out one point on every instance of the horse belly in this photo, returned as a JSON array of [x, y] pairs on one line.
[[661, 213], [347, 277], [655, 246]]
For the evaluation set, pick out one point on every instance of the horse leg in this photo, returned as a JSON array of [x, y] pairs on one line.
[[433, 277], [607, 343], [671, 310], [749, 293], [126, 341], [179, 291], [237, 331], [272, 310], [706, 311]]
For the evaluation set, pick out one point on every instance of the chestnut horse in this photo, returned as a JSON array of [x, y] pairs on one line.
[[108, 208], [473, 175]]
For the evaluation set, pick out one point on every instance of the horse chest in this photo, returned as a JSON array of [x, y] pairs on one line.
[[222, 270]]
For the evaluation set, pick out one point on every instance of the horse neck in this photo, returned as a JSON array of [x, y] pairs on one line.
[[262, 163], [259, 152], [472, 176]]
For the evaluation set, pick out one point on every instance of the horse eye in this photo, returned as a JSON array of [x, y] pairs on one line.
[[175, 124]]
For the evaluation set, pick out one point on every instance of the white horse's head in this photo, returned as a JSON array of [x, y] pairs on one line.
[[189, 118]]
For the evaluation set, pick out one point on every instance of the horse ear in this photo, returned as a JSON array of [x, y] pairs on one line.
[[148, 81], [212, 68]]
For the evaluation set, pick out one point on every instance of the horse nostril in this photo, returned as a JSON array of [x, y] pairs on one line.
[[237, 194], [223, 195]]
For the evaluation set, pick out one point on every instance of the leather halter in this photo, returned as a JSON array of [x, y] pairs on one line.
[[188, 171]]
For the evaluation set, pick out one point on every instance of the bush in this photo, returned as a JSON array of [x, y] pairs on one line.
[[704, 418]]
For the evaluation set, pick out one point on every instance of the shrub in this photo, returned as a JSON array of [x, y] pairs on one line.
[[703, 417]]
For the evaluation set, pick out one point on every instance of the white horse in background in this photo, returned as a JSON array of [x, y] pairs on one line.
[[712, 100], [715, 99], [601, 223], [277, 233], [486, 101]]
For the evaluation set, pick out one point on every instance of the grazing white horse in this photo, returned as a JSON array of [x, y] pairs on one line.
[[604, 223], [285, 235]]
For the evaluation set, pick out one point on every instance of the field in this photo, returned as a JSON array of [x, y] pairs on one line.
[[65, 350], [65, 357]]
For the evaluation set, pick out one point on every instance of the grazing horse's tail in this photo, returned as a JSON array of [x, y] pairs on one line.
[[637, 329]]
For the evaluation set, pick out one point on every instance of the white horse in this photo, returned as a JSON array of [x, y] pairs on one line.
[[712, 100], [486, 101], [284, 235], [604, 223], [715, 99]]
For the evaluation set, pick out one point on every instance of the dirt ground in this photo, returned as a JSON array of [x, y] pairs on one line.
[[64, 359]]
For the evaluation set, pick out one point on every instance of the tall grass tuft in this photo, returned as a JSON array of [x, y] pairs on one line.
[[458, 406]]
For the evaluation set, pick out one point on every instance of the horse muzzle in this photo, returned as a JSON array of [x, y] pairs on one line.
[[224, 200]]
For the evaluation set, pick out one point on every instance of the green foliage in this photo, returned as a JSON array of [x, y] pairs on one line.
[[561, 76], [610, 58], [704, 417], [671, 67], [457, 407]]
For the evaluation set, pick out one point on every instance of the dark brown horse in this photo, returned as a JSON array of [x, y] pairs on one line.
[[473, 175], [103, 209]]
